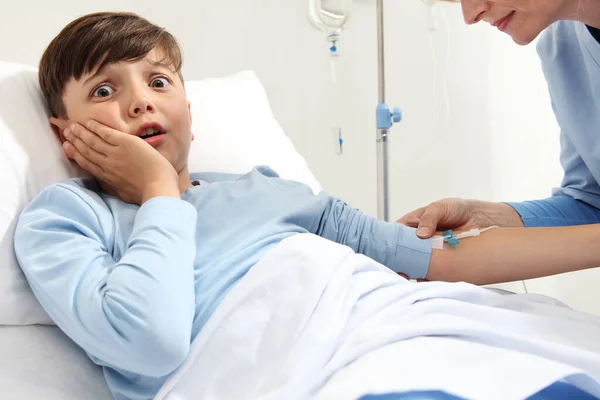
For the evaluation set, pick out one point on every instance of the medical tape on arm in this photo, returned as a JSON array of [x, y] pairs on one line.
[[453, 239]]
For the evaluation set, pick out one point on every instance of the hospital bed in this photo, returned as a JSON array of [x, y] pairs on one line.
[[37, 360]]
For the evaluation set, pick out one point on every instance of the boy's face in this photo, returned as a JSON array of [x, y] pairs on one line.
[[125, 95]]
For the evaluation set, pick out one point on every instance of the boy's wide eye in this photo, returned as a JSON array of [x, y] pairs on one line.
[[160, 82], [103, 91]]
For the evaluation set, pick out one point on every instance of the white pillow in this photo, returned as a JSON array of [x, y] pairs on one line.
[[235, 130], [234, 127]]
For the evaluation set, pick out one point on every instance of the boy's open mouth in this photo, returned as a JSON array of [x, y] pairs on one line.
[[150, 129], [152, 133]]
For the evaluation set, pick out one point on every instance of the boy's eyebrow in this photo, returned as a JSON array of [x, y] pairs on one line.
[[162, 63], [98, 72]]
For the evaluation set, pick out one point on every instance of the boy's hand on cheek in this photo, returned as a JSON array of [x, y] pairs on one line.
[[127, 163]]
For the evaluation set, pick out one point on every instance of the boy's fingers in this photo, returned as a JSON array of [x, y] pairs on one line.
[[61, 124], [83, 149], [110, 136], [90, 138], [83, 162]]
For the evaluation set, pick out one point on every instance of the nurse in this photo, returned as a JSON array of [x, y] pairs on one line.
[[569, 49]]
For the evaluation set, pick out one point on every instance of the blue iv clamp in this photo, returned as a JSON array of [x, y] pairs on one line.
[[450, 238]]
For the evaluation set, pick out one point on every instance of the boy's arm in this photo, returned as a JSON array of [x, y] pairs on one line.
[[513, 254], [134, 313], [392, 244]]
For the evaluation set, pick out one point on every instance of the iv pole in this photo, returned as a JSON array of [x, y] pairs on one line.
[[385, 119]]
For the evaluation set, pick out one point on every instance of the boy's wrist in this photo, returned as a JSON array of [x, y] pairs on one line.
[[160, 189]]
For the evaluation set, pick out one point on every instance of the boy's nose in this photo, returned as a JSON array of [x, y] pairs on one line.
[[475, 10], [141, 105]]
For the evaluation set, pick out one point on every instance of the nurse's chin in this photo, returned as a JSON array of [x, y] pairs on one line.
[[523, 38], [525, 34]]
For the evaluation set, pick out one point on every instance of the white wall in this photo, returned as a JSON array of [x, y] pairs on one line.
[[291, 58], [499, 141]]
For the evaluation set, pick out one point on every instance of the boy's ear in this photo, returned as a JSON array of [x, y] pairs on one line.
[[58, 126], [190, 112]]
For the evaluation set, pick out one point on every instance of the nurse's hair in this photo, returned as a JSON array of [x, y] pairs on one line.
[[95, 40]]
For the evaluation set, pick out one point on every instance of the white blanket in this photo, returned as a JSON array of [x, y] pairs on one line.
[[314, 320]]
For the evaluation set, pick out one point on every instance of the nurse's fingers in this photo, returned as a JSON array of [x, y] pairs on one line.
[[412, 218], [429, 220]]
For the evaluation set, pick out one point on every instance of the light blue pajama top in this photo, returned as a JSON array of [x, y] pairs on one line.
[[133, 286]]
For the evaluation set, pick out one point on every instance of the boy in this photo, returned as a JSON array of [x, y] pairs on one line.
[[131, 265]]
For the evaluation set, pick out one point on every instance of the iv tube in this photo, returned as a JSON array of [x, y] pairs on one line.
[[330, 17], [334, 54]]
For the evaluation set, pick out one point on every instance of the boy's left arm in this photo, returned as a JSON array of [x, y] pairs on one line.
[[391, 244]]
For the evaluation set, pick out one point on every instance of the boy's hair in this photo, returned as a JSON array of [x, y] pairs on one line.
[[96, 40]]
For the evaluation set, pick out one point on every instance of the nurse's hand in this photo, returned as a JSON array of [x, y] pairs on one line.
[[460, 214]]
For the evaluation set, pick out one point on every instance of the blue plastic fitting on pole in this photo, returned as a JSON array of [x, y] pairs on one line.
[[384, 118]]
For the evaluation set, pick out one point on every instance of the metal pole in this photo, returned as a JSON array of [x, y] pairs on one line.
[[383, 208], [380, 52]]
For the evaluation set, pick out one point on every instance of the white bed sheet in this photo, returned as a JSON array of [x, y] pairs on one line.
[[313, 318], [41, 362]]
